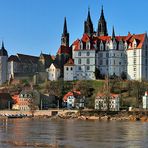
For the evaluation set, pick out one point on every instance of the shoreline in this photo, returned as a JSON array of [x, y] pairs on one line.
[[78, 115]]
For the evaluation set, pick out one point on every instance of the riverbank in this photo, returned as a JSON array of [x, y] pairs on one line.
[[79, 115]]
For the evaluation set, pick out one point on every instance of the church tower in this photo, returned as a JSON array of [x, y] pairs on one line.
[[88, 25], [65, 35], [102, 26], [3, 64]]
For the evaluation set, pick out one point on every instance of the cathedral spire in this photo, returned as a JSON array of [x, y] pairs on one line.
[[3, 45], [65, 35], [65, 26], [102, 12], [102, 26], [88, 25], [113, 33]]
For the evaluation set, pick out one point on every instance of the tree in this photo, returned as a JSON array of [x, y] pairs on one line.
[[56, 88], [32, 104], [138, 90], [86, 90]]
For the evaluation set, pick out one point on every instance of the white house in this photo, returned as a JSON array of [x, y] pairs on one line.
[[3, 64], [84, 58], [73, 99], [69, 71], [145, 100], [53, 72], [101, 102]]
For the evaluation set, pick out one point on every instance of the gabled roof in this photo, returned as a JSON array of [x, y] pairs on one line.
[[55, 65], [71, 93], [70, 62], [139, 39]]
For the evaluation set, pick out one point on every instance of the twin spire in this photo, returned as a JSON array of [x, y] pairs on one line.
[[102, 26]]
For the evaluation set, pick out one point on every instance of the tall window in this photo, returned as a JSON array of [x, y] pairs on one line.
[[88, 68], [79, 67], [88, 53], [79, 53], [87, 61], [79, 61]]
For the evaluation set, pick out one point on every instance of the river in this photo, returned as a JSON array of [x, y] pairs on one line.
[[73, 133]]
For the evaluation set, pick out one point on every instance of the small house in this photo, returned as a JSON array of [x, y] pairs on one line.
[[111, 102]]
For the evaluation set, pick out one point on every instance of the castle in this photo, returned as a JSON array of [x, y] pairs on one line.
[[95, 54]]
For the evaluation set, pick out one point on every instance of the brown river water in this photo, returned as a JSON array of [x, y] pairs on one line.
[[30, 133]]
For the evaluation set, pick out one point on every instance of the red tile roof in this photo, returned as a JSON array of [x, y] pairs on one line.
[[114, 96], [93, 40], [70, 94]]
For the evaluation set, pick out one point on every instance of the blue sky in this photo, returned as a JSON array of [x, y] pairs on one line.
[[32, 26]]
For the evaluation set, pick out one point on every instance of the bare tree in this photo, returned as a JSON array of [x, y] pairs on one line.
[[32, 104]]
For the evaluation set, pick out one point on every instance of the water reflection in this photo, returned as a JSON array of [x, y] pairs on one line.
[[72, 133]]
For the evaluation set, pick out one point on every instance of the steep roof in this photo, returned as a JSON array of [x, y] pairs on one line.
[[139, 39], [93, 40], [70, 62], [70, 93], [3, 51]]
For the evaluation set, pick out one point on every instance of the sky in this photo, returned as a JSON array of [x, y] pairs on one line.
[[35, 26]]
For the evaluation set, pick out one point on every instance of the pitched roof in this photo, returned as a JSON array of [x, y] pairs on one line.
[[13, 58], [139, 39], [114, 96], [27, 58], [93, 40], [70, 62], [70, 93]]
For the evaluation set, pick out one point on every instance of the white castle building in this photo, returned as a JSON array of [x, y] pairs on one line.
[[125, 56]]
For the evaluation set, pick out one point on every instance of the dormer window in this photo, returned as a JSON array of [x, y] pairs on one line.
[[134, 44], [88, 45], [81, 45]]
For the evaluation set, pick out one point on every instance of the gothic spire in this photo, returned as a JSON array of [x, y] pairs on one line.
[[3, 51], [88, 25], [65, 27], [3, 45], [113, 33], [65, 35], [102, 26]]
